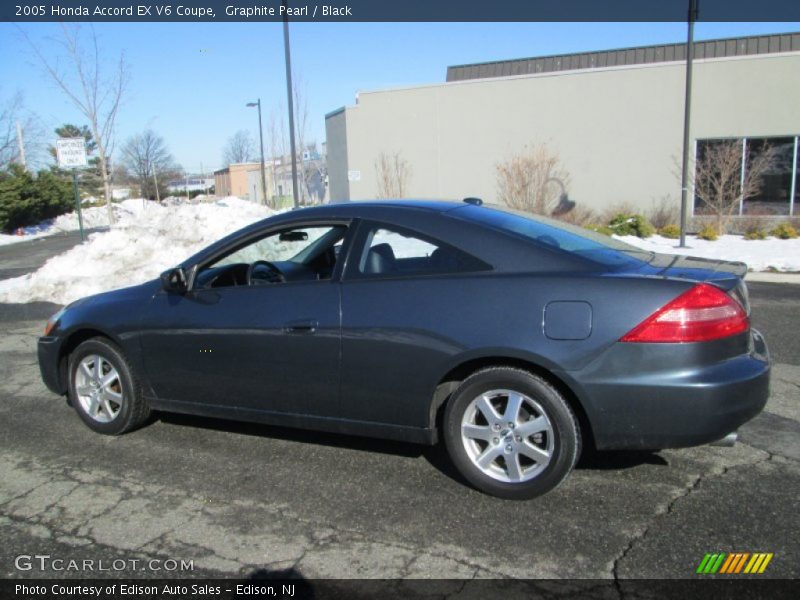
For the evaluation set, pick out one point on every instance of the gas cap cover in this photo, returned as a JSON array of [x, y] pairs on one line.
[[568, 320]]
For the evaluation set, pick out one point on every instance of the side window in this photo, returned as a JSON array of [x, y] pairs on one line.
[[392, 252], [295, 254]]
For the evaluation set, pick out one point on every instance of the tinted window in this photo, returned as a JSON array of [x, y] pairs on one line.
[[554, 234], [391, 252]]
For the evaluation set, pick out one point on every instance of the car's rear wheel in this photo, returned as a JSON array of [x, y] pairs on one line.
[[103, 389], [510, 433]]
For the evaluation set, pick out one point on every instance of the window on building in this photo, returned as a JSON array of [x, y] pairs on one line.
[[772, 184], [718, 176], [746, 176]]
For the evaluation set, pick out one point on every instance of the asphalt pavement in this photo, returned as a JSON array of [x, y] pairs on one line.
[[237, 499]]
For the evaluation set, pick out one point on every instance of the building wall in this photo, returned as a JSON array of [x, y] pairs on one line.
[[254, 183], [233, 180], [617, 130], [336, 136], [222, 182]]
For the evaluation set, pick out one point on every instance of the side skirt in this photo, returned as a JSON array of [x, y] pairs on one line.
[[415, 435]]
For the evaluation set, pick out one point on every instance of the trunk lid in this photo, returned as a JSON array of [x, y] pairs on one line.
[[725, 274]]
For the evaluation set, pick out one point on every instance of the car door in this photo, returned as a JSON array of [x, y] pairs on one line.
[[402, 320], [271, 347]]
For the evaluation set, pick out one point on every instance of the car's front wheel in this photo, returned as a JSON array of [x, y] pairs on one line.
[[103, 389], [511, 433]]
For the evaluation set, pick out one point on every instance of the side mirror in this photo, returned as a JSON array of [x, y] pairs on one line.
[[174, 281]]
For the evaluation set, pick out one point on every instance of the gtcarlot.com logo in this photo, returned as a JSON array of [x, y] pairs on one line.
[[46, 562], [734, 563]]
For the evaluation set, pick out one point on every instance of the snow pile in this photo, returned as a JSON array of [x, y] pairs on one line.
[[146, 239], [759, 255]]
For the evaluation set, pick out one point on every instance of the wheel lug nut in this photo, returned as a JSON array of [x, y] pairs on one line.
[[508, 448], [518, 438], [510, 425], [496, 441], [496, 426]]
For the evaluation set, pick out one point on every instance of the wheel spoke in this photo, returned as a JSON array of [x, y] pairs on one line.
[[87, 372], [477, 432], [489, 412], [538, 425], [109, 378], [107, 407], [534, 453], [98, 368], [488, 456], [512, 408], [111, 395], [92, 406], [512, 465], [83, 390]]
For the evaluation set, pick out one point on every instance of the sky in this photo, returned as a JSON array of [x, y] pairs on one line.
[[190, 81]]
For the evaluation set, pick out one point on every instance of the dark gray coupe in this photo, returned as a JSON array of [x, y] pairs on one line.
[[516, 339]]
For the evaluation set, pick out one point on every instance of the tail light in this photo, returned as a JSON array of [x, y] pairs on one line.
[[701, 314]]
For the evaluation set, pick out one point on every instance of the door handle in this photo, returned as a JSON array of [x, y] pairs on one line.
[[301, 326]]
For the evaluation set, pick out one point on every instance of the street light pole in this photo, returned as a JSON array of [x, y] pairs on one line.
[[687, 107], [288, 59], [261, 137]]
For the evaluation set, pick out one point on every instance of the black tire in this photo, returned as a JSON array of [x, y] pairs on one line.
[[132, 409], [564, 431]]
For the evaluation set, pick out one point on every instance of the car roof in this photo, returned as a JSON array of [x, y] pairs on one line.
[[366, 207]]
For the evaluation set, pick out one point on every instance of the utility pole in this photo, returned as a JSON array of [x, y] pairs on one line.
[[687, 107], [288, 60], [21, 145]]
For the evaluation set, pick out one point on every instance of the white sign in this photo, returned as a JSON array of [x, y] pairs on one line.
[[354, 176], [71, 152]]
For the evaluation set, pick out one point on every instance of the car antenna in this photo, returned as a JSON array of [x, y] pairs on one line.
[[473, 200]]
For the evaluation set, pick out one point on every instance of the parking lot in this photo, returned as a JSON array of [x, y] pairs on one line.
[[237, 500]]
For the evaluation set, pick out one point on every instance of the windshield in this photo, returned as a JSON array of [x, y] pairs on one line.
[[590, 245]]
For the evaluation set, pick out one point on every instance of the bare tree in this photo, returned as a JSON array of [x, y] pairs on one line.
[[529, 181], [239, 149], [15, 122], [393, 173], [276, 144], [301, 134], [718, 180], [148, 163], [86, 85]]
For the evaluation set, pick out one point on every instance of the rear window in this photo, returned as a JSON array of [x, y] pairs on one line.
[[590, 245]]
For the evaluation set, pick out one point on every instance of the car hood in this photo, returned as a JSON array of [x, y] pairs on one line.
[[142, 292]]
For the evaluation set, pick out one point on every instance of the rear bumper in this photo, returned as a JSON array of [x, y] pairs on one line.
[[48, 349], [675, 407]]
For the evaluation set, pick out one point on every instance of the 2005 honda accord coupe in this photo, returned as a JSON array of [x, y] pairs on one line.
[[515, 338]]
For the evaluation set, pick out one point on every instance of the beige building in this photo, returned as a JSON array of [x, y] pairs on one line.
[[615, 119], [233, 180]]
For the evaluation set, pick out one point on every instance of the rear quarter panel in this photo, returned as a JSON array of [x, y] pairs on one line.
[[400, 337]]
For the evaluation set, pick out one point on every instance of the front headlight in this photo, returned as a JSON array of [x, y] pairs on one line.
[[53, 321]]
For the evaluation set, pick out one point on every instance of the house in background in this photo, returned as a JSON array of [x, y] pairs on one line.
[[233, 180]]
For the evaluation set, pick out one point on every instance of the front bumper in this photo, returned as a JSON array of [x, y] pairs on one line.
[[48, 351], [653, 400]]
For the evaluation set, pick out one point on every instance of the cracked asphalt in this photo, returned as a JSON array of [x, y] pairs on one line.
[[245, 500]]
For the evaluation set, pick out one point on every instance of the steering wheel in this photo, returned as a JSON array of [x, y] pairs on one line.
[[273, 274]]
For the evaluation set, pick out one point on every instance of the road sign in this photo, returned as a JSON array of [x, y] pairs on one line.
[[71, 152]]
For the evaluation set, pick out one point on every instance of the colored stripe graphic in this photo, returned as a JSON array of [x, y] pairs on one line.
[[727, 564], [703, 563], [764, 564], [734, 563]]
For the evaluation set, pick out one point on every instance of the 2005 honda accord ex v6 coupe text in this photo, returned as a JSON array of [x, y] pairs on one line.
[[516, 339]]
